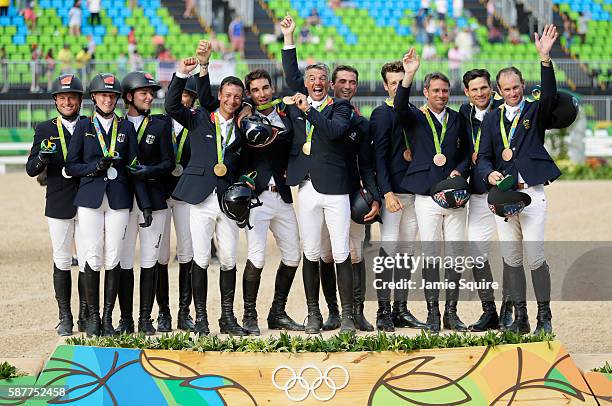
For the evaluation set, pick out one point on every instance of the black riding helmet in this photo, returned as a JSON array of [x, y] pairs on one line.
[[361, 204], [104, 83], [258, 131], [507, 204], [67, 84], [451, 193], [237, 202]]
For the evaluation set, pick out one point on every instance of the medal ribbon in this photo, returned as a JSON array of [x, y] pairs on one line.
[[60, 131], [310, 127], [221, 147], [434, 133], [505, 138], [106, 152], [389, 102], [178, 146], [142, 128], [476, 140], [269, 104]]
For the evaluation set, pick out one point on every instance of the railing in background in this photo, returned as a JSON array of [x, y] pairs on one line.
[[34, 76], [26, 114]]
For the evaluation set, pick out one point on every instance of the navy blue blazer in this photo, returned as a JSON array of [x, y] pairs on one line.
[[155, 151], [360, 158], [198, 180], [170, 181], [472, 124], [530, 157], [422, 173], [84, 152], [389, 146], [59, 199]]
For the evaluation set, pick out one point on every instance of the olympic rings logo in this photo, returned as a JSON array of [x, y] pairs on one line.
[[321, 378]]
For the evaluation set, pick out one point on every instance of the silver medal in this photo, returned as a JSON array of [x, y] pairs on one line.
[[64, 174], [178, 170], [111, 173]]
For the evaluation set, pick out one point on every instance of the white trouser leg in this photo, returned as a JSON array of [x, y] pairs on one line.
[[180, 217], [326, 248], [62, 237], [401, 225], [356, 237], [310, 220], [115, 229], [227, 232], [481, 225], [164, 246], [150, 238], [257, 237], [337, 213], [528, 226]]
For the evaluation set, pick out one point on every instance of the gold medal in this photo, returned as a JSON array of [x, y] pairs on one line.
[[306, 147], [474, 157], [220, 170], [288, 100], [507, 154], [439, 159], [407, 155]]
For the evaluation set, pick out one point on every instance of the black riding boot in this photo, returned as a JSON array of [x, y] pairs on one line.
[[488, 319], [184, 320], [541, 285], [384, 320], [83, 310], [518, 290], [310, 276], [126, 301], [359, 290], [402, 317], [250, 286], [505, 311], [277, 317], [62, 284], [227, 322], [451, 319], [199, 284], [345, 288], [328, 283], [432, 295], [92, 291], [111, 286], [162, 294], [148, 283]]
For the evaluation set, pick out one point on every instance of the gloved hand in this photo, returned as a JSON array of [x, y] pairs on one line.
[[148, 218], [103, 164], [142, 172], [45, 158]]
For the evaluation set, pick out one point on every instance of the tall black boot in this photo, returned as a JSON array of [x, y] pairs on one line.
[[541, 285], [328, 283], [92, 291], [62, 284], [310, 276], [402, 317], [359, 288], [451, 319], [431, 275], [83, 310], [505, 311], [111, 285], [277, 317], [184, 320], [199, 284], [126, 301], [162, 294], [345, 288], [384, 320], [227, 322], [148, 283], [433, 317], [250, 286], [488, 319], [518, 290]]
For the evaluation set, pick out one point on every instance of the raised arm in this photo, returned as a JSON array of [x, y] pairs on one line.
[[293, 76], [405, 110], [172, 104], [205, 96], [548, 97]]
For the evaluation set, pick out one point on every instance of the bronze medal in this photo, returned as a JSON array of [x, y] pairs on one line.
[[408, 155], [439, 159], [288, 100], [306, 147], [474, 157], [220, 169], [178, 170], [507, 154]]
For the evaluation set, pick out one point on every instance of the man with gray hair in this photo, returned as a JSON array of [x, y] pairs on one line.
[[317, 163]]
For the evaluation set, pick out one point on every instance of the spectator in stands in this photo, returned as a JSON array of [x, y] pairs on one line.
[[29, 15], [431, 26], [445, 35], [305, 36], [418, 29], [65, 58], [131, 40], [457, 8], [94, 7], [122, 62], [429, 52], [514, 36], [217, 45], [442, 9], [465, 41], [237, 35], [82, 63], [35, 68], [490, 14], [189, 9], [91, 46], [567, 32], [135, 60], [425, 6], [75, 16], [4, 6], [495, 35], [313, 19], [455, 58], [4, 69], [329, 45], [49, 68], [582, 26]]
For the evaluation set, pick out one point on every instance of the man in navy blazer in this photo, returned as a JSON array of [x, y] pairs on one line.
[[440, 150], [513, 144]]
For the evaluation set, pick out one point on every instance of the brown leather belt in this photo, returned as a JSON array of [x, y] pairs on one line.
[[522, 185], [272, 188]]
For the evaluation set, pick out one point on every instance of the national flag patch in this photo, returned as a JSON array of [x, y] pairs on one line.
[[66, 80], [109, 80], [148, 76]]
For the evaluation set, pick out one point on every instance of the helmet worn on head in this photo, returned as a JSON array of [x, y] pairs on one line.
[[361, 204], [451, 193], [507, 204], [258, 131], [66, 84], [191, 86], [105, 83], [138, 80], [237, 202]]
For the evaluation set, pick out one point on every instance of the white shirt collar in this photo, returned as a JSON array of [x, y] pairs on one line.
[[106, 122], [69, 125], [177, 127], [511, 111], [315, 103], [439, 116], [136, 120], [479, 114], [225, 126]]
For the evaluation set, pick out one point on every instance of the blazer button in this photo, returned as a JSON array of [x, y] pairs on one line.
[[105, 179]]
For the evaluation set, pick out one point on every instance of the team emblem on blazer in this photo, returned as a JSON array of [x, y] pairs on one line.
[[120, 137], [208, 136], [89, 134], [150, 139], [526, 124], [353, 136]]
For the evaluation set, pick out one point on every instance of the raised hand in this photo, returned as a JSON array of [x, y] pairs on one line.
[[203, 52], [545, 43], [187, 65], [411, 61], [301, 101], [287, 25]]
